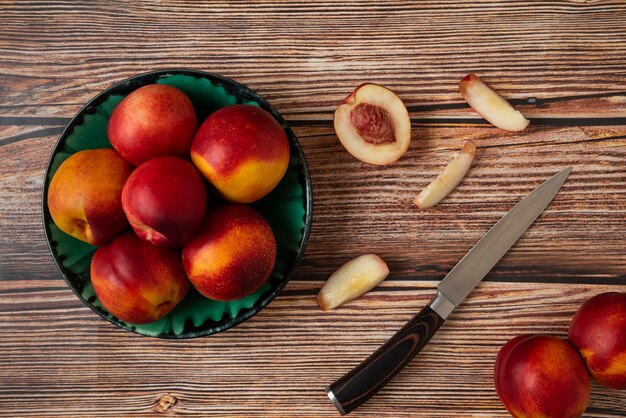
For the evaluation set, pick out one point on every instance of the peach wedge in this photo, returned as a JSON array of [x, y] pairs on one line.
[[373, 125], [449, 178], [490, 105], [352, 280]]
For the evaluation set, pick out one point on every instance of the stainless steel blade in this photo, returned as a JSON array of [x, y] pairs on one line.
[[472, 268]]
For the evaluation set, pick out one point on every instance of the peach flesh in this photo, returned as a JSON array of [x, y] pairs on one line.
[[352, 280], [373, 125], [491, 105], [449, 178]]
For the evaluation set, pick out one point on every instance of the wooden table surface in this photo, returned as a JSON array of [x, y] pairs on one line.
[[562, 62]]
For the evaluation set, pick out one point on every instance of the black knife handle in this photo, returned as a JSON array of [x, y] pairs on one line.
[[371, 375]]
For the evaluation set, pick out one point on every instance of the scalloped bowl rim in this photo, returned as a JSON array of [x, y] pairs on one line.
[[225, 323]]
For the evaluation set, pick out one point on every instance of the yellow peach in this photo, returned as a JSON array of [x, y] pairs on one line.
[[85, 195]]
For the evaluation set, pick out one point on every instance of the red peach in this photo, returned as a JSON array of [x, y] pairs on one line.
[[598, 330], [165, 201], [138, 282], [153, 121], [232, 254], [541, 376], [243, 152], [85, 195]]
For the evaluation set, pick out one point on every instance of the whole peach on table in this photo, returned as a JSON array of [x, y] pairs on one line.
[[136, 281], [165, 200], [85, 195], [242, 151], [598, 330], [153, 121], [232, 254], [539, 376]]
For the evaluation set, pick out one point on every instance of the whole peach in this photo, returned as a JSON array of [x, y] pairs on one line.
[[165, 200], [136, 281], [232, 254], [541, 376], [153, 121], [85, 195], [243, 152], [598, 330]]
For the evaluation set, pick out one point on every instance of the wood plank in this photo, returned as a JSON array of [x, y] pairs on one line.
[[578, 239], [305, 57], [562, 62], [60, 359]]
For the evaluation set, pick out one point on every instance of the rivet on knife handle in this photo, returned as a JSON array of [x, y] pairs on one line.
[[370, 376]]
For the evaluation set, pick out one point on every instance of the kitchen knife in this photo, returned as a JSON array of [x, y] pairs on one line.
[[371, 375]]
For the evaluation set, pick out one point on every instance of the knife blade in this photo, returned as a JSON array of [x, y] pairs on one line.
[[366, 379]]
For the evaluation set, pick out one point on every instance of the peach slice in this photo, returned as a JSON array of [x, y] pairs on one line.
[[352, 280], [373, 125], [490, 105], [449, 178]]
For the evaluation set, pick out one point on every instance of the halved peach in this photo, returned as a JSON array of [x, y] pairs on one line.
[[490, 105], [373, 124], [449, 178]]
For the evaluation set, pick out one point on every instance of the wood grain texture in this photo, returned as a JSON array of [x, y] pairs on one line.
[[59, 359], [563, 63]]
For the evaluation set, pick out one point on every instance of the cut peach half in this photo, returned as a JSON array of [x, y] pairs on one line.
[[449, 178], [490, 105], [352, 280], [373, 125]]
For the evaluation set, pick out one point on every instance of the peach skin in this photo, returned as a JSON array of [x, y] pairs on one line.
[[598, 330], [538, 376], [136, 281], [85, 195], [242, 151], [232, 254], [153, 121], [165, 201]]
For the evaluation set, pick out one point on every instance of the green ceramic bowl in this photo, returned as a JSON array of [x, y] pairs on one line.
[[288, 208]]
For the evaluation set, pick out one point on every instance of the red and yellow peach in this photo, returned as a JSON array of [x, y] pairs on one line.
[[232, 254], [153, 121], [541, 376], [85, 195], [598, 330], [136, 281], [242, 151]]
